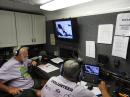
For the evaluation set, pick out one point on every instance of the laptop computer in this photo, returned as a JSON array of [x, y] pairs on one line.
[[91, 73]]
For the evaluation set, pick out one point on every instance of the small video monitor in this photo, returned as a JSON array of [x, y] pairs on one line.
[[91, 73], [66, 30], [91, 69]]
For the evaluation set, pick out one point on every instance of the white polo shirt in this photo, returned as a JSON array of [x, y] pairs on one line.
[[61, 87]]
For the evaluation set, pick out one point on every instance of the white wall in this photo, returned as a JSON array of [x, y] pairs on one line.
[[91, 8]]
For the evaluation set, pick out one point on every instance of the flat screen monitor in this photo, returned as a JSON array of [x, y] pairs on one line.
[[66, 29], [91, 69], [91, 73]]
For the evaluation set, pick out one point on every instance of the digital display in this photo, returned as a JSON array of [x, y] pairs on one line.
[[64, 29], [91, 69]]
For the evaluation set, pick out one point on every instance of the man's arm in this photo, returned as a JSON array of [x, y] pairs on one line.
[[10, 90], [103, 88]]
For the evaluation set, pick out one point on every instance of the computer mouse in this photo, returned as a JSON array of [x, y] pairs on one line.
[[90, 87]]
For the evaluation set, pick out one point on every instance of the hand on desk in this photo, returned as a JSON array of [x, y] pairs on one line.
[[34, 63]]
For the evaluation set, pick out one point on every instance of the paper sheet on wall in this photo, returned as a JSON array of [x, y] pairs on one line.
[[120, 45], [90, 49], [52, 39], [123, 24], [105, 33]]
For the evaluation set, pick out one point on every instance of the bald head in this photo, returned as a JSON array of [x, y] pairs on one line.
[[23, 50], [21, 54]]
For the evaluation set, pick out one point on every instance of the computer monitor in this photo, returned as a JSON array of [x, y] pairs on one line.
[[91, 73], [66, 30], [91, 69]]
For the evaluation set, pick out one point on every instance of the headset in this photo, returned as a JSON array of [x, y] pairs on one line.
[[71, 68]]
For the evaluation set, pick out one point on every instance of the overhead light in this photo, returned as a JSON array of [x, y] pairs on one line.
[[59, 4], [41, 1]]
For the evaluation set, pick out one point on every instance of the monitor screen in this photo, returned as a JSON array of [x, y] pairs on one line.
[[91, 69], [66, 29]]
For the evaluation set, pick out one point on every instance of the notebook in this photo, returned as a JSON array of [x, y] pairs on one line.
[[91, 73]]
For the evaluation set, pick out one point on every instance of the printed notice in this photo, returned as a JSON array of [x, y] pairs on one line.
[[120, 45], [90, 49], [52, 39], [105, 33], [123, 24]]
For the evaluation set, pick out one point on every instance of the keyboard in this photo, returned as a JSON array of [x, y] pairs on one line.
[[91, 78]]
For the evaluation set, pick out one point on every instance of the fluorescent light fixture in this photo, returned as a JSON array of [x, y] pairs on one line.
[[41, 1], [59, 4]]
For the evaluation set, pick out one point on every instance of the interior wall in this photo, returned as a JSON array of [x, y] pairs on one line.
[[88, 29], [88, 26]]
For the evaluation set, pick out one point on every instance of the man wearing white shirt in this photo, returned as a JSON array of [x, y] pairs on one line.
[[15, 71], [65, 85]]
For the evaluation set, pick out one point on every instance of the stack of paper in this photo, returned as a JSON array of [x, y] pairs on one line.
[[48, 67], [57, 60]]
